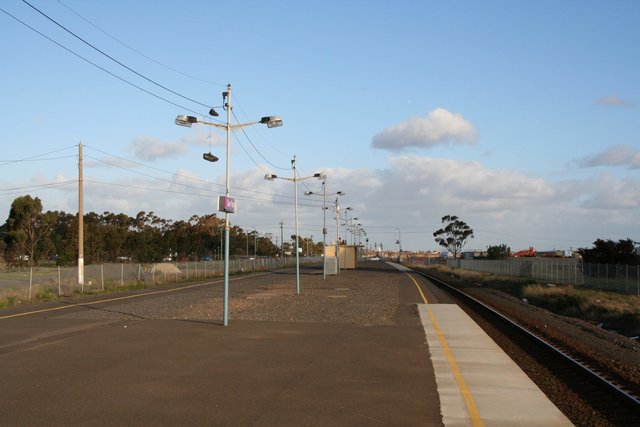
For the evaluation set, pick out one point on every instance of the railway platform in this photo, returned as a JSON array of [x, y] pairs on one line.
[[478, 384], [364, 348]]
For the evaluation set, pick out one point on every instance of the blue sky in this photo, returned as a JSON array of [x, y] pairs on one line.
[[521, 118]]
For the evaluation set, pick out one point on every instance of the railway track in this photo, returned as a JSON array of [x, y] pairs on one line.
[[613, 402]]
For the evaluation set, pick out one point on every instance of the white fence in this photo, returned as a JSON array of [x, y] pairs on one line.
[[619, 278], [64, 280]]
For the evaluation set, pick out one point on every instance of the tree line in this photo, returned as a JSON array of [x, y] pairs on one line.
[[456, 233], [31, 236]]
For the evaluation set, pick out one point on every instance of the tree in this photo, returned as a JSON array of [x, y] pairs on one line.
[[610, 252], [454, 235], [26, 228], [498, 252]]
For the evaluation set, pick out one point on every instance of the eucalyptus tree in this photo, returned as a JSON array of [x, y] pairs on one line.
[[454, 235], [26, 229]]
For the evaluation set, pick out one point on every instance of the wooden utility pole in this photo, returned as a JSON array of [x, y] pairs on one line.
[[80, 221]]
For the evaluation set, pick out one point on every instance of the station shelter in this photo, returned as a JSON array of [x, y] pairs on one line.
[[348, 256]]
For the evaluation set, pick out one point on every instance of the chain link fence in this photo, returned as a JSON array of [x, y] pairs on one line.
[[30, 283], [611, 277]]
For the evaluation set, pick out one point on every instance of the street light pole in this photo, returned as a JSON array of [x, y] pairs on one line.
[[225, 292], [295, 179], [270, 121], [324, 222]]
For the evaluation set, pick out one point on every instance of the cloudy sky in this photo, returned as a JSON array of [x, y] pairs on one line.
[[521, 118]]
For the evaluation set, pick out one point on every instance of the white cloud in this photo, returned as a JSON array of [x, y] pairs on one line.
[[614, 101], [151, 148], [412, 193], [438, 127], [619, 155], [608, 193]]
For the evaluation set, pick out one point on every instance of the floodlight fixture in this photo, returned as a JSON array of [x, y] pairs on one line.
[[270, 177], [272, 121], [186, 121]]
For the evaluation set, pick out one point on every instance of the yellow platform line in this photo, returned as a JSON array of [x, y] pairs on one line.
[[476, 421]]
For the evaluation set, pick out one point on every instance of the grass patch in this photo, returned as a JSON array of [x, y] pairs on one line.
[[511, 285], [10, 301], [47, 295], [613, 310]]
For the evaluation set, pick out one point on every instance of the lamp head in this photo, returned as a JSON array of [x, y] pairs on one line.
[[320, 176], [213, 113], [270, 177], [308, 193], [271, 121], [186, 121], [341, 193]]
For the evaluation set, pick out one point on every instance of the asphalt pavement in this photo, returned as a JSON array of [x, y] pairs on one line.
[[63, 366]]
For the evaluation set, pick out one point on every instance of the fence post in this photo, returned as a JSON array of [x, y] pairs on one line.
[[59, 285], [30, 281], [122, 274], [102, 276], [139, 269]]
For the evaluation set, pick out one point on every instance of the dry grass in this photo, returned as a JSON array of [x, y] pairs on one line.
[[613, 310], [511, 285]]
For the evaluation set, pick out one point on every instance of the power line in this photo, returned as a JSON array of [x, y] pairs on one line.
[[135, 50], [193, 194], [38, 157], [253, 145], [98, 66], [21, 190], [112, 58], [172, 174]]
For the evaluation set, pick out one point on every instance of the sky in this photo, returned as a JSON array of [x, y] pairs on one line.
[[522, 118]]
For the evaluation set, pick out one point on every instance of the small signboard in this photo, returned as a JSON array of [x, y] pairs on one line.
[[226, 204]]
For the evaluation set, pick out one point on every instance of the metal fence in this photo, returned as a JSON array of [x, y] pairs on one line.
[[28, 283], [612, 277]]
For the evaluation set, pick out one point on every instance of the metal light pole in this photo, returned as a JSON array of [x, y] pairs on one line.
[[225, 292], [270, 121], [324, 221], [295, 179]]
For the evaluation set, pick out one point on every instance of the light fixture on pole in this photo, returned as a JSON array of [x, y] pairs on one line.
[[295, 179], [346, 223], [225, 203], [324, 221], [348, 208]]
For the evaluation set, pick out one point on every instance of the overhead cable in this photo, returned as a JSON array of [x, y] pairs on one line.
[[98, 66], [112, 58], [137, 51]]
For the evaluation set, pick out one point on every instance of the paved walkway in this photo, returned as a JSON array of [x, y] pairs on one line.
[[93, 364]]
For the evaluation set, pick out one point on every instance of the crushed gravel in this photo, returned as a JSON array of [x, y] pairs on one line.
[[272, 297]]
